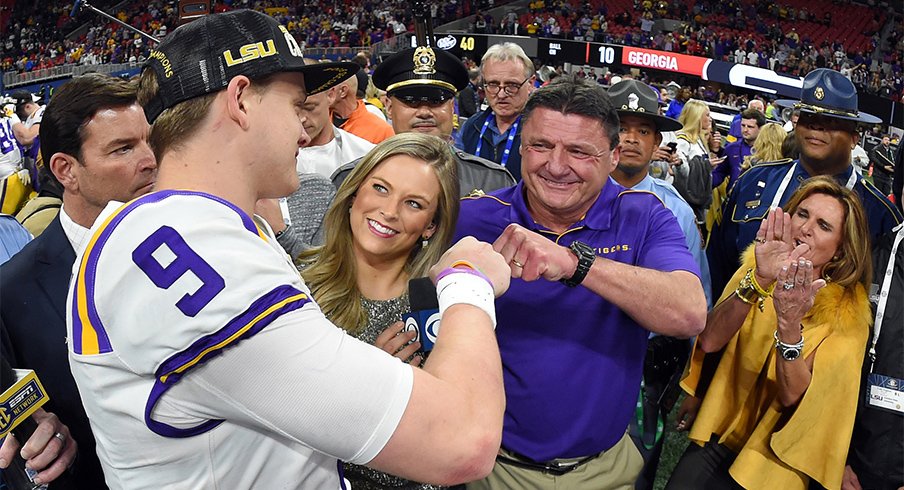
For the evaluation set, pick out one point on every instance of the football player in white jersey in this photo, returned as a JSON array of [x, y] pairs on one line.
[[201, 358], [26, 125], [10, 151]]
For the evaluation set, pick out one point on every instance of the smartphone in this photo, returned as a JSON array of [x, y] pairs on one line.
[[672, 146]]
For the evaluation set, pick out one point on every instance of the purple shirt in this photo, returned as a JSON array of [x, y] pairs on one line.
[[572, 361], [730, 168]]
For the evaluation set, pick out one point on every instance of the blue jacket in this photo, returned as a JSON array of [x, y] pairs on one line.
[[748, 203], [469, 136]]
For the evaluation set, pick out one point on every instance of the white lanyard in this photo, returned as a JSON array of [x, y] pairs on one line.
[[787, 179], [883, 295]]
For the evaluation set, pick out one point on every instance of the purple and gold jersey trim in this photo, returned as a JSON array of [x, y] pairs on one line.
[[88, 334], [261, 313]]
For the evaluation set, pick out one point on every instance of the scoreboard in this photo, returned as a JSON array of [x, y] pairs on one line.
[[555, 50], [460, 44], [579, 52], [562, 51]]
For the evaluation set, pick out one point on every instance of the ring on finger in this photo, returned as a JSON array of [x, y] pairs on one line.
[[760, 240], [788, 285], [517, 264], [61, 437]]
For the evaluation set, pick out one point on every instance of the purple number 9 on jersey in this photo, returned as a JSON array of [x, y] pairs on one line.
[[186, 260]]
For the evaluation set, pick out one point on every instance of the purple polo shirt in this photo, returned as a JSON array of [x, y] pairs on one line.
[[572, 361]]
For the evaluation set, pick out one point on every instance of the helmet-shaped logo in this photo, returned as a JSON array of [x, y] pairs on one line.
[[424, 61]]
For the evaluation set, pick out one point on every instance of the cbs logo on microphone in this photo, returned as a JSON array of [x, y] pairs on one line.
[[426, 324]]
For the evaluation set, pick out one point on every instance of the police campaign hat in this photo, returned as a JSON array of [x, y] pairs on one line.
[[829, 93], [201, 57], [422, 73], [633, 98]]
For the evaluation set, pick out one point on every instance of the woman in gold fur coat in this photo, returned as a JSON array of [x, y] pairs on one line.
[[791, 327]]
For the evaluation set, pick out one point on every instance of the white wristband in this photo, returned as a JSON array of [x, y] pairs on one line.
[[462, 288], [14, 119]]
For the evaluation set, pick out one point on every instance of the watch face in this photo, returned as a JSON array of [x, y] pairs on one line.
[[790, 354]]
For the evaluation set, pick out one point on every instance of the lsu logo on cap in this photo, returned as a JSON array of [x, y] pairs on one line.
[[250, 52]]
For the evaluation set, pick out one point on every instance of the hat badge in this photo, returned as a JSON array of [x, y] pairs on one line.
[[819, 93], [633, 100], [424, 61]]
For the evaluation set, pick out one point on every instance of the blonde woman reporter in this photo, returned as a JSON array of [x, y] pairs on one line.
[[693, 173], [391, 220]]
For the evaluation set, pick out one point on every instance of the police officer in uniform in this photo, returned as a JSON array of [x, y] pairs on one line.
[[826, 131], [421, 84]]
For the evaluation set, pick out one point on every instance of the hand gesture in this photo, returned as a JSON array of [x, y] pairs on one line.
[[533, 256], [50, 450], [398, 343], [794, 293], [773, 246], [483, 257]]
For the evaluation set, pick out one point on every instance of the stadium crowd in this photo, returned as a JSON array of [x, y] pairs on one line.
[[37, 35], [773, 35], [251, 265]]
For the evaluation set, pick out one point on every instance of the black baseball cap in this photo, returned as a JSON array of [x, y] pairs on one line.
[[23, 97], [201, 57], [423, 73]]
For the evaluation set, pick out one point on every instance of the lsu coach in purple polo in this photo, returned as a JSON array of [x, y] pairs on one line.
[[596, 267]]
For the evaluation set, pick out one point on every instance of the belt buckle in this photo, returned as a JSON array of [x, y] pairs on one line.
[[560, 468]]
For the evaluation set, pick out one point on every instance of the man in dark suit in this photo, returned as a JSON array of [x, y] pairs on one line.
[[94, 138], [469, 97], [883, 158]]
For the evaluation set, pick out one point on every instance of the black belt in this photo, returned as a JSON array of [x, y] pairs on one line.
[[553, 467]]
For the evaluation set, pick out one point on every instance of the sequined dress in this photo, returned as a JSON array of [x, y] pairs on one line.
[[381, 314]]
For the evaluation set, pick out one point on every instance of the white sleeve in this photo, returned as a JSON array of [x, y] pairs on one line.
[[302, 379], [184, 289], [684, 150]]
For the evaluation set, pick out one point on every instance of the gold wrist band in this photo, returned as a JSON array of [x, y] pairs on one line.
[[750, 292], [756, 285]]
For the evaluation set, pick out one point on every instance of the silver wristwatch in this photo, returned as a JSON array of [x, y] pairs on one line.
[[789, 352]]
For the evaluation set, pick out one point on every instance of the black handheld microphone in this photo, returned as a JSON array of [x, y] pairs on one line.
[[424, 315], [75, 7]]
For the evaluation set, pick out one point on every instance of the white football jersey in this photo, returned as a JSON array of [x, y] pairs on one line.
[[203, 362], [10, 151]]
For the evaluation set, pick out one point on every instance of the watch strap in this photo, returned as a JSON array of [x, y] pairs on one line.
[[586, 256], [789, 352]]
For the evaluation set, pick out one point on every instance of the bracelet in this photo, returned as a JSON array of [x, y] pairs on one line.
[[779, 343], [749, 292], [467, 288], [463, 270], [756, 285], [462, 264]]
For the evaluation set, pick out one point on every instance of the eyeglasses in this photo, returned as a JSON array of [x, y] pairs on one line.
[[493, 88], [574, 153]]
